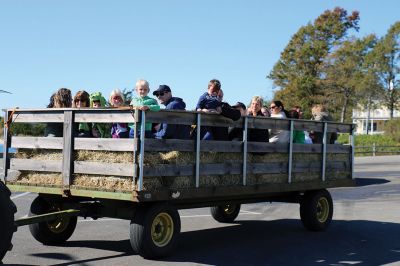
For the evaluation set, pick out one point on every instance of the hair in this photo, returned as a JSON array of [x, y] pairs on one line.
[[318, 108], [83, 96], [142, 82], [280, 104], [63, 98], [216, 83], [116, 92], [51, 101], [293, 114], [259, 99]]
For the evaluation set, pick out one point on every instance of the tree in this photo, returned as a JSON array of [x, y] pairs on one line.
[[127, 93], [387, 63], [344, 72], [297, 74]]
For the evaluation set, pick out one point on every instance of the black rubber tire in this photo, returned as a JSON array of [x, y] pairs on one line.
[[52, 232], [316, 210], [7, 224], [225, 213], [141, 238]]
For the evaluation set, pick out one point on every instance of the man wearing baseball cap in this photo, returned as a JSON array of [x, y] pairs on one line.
[[170, 131]]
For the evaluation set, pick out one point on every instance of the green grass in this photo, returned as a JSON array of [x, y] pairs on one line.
[[365, 144]]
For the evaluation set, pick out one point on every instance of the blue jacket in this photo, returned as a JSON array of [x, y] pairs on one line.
[[173, 131], [208, 102]]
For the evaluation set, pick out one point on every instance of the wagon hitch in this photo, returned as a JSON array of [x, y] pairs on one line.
[[47, 217]]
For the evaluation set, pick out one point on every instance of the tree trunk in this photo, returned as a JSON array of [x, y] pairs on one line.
[[344, 109]]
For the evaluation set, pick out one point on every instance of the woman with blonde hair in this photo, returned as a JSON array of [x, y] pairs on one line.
[[118, 130], [255, 134]]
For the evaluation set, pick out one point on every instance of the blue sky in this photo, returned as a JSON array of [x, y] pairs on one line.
[[101, 45]]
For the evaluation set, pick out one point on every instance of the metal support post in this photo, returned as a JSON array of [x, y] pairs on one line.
[[245, 130], [198, 150], [290, 152], [324, 142], [141, 155]]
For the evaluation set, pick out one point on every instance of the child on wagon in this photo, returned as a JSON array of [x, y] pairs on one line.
[[99, 130], [143, 102]]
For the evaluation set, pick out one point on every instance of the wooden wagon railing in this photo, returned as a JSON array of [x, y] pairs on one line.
[[69, 144]]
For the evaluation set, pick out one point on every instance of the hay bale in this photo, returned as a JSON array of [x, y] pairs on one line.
[[39, 178], [116, 183]]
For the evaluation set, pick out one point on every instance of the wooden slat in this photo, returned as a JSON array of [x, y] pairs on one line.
[[235, 168], [109, 115], [106, 116], [168, 145], [68, 149], [6, 145], [96, 144], [36, 165], [37, 143], [99, 168], [38, 117]]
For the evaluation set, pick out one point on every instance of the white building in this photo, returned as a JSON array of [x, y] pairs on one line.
[[377, 119]]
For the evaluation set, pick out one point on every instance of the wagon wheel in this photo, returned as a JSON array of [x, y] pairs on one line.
[[154, 230], [51, 232], [316, 210], [7, 225], [225, 213]]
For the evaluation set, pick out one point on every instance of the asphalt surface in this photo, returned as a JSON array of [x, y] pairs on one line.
[[365, 231]]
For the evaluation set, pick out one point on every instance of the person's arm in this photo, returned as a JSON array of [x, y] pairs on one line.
[[199, 105], [152, 104]]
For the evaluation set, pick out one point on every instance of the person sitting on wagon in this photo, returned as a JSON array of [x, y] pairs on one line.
[[320, 113], [144, 103], [61, 99], [81, 100], [278, 135], [118, 130], [170, 131], [99, 130], [210, 102]]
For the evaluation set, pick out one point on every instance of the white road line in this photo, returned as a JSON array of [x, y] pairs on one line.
[[20, 195], [249, 212]]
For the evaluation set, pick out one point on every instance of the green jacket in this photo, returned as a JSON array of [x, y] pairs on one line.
[[145, 101], [299, 137]]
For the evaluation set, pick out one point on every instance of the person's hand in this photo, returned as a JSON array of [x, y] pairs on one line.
[[144, 108], [219, 110]]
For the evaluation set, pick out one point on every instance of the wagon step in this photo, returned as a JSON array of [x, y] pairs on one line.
[[47, 217]]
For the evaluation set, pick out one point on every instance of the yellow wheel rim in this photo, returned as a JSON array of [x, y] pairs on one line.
[[229, 209], [58, 226], [162, 229], [322, 210]]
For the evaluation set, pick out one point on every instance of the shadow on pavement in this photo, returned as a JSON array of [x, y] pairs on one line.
[[360, 182], [286, 242], [277, 242]]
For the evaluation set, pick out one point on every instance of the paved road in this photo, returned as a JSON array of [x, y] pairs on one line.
[[365, 230]]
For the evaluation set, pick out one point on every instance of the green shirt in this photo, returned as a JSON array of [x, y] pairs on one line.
[[145, 101], [299, 137]]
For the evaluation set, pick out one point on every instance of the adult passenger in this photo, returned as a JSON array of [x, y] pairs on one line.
[[62, 99], [320, 113], [170, 131], [256, 134], [118, 130], [81, 100], [278, 111]]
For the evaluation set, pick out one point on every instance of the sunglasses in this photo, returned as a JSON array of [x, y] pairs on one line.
[[273, 107], [161, 93], [80, 100]]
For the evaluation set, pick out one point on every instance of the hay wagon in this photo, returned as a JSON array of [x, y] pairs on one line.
[[147, 181]]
